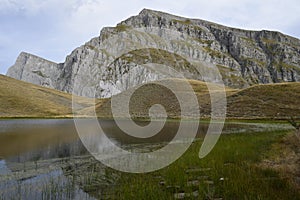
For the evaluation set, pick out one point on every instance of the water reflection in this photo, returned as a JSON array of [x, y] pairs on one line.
[[23, 140], [3, 168]]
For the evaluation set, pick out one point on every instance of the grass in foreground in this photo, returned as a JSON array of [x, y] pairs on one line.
[[230, 171]]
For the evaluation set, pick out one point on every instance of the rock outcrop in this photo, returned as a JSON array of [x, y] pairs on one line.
[[36, 70], [155, 45]]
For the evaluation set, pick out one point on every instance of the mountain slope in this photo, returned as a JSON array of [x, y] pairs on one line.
[[134, 51], [21, 99], [270, 101]]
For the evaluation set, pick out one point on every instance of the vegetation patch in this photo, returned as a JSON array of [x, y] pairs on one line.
[[284, 157], [279, 65], [229, 77], [121, 27], [38, 72], [207, 42], [269, 41], [254, 61], [214, 53], [184, 22], [158, 56]]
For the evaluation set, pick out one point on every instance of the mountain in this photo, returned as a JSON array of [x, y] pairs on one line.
[[151, 45]]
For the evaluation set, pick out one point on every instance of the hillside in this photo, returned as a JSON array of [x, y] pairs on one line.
[[266, 101], [134, 51], [21, 99], [270, 101], [145, 96]]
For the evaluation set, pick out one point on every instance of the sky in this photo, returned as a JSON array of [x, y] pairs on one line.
[[53, 28]]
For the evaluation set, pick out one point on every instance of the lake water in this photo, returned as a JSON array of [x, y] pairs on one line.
[[34, 152]]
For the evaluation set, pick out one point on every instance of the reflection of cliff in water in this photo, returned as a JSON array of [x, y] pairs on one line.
[[29, 140], [59, 150]]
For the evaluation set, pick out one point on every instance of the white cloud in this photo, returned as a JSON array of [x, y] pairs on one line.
[[52, 28], [249, 14]]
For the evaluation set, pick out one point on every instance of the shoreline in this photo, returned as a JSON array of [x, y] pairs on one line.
[[227, 120]]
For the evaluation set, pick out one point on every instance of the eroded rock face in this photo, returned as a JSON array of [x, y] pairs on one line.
[[148, 46], [35, 70]]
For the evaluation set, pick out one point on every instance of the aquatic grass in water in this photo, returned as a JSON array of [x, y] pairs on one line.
[[230, 171]]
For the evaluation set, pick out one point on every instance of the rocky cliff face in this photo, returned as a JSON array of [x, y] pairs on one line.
[[35, 70], [155, 45]]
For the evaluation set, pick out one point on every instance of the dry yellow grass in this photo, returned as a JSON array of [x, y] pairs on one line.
[[21, 99], [279, 100], [152, 93], [284, 157], [270, 101]]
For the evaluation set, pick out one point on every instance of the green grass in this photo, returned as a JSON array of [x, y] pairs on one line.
[[234, 158], [121, 27], [251, 61], [213, 53], [207, 42], [159, 56], [269, 41], [183, 22]]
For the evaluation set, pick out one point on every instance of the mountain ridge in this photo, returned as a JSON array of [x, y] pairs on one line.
[[147, 10]]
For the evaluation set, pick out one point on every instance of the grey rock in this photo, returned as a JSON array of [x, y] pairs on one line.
[[35, 70], [155, 45]]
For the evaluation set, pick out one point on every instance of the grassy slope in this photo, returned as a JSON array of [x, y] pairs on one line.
[[270, 101], [21, 99], [259, 101], [152, 93]]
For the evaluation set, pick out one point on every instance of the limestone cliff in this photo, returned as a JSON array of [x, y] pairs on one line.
[[36, 70], [141, 48]]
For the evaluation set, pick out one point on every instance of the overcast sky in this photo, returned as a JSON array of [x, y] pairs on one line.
[[53, 28]]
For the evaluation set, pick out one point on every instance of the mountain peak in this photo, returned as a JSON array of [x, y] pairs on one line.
[[150, 11], [146, 11], [24, 54]]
